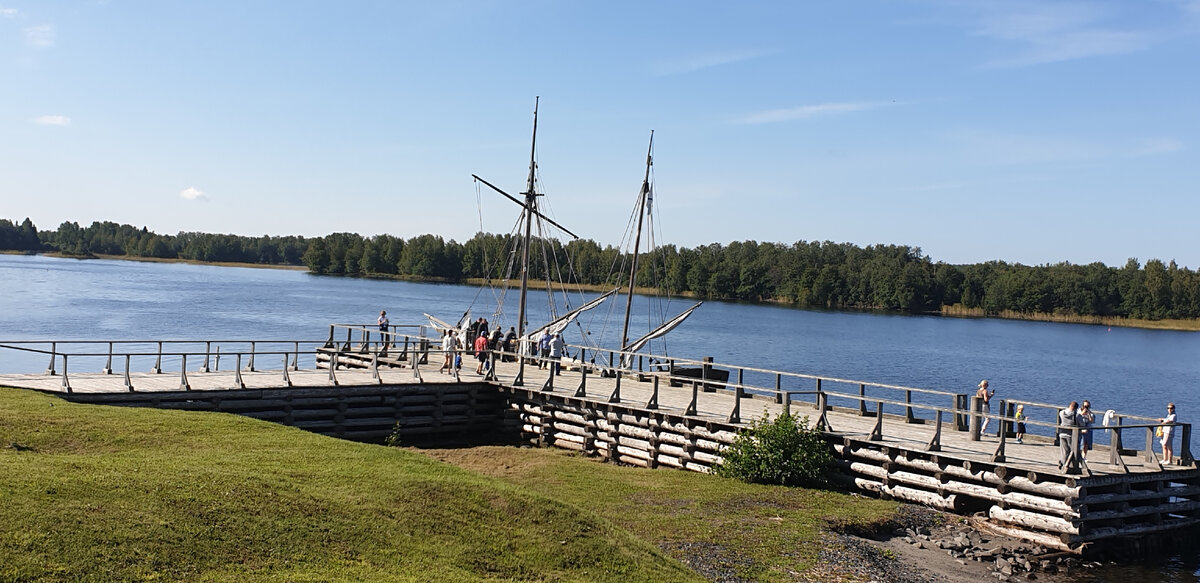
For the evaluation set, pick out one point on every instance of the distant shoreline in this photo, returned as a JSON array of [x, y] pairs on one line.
[[955, 311]]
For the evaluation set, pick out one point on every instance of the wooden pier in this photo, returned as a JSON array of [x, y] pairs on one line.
[[898, 442]]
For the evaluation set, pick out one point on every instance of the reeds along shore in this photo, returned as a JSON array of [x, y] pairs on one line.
[[959, 311]]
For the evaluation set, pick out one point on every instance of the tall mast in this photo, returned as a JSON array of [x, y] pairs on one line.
[[530, 208], [637, 240]]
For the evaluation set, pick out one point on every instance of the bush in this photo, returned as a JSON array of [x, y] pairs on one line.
[[783, 451]]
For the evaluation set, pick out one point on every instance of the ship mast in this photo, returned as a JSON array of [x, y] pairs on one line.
[[637, 239], [529, 206]]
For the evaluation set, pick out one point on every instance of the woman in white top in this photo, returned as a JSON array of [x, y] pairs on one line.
[[1167, 431]]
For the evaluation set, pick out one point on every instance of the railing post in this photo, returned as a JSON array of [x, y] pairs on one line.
[[333, 363], [128, 381], [237, 379], [1114, 446], [207, 351], [819, 403], [1185, 445], [158, 361], [691, 408], [908, 410], [108, 363], [491, 373], [53, 356], [976, 408], [329, 343], [287, 379], [66, 385], [1149, 454], [364, 345], [548, 386], [1073, 459], [415, 363], [615, 397], [935, 443], [295, 357], [736, 415], [862, 399], [250, 365], [778, 388], [877, 431], [375, 367], [349, 338], [653, 402], [183, 381], [581, 392]]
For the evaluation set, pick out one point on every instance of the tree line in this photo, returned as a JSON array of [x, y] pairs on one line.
[[807, 274]]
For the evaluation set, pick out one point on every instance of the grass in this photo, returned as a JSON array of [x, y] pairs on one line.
[[91, 493], [1189, 325]]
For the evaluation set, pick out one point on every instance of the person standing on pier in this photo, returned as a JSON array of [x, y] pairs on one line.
[[510, 344], [481, 351], [544, 348], [449, 346], [985, 398], [556, 352], [1020, 416], [1086, 419], [1068, 420], [1168, 431], [383, 327]]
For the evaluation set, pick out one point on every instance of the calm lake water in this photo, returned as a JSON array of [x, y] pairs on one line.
[[1135, 371]]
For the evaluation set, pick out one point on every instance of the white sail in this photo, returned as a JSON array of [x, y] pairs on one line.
[[657, 332], [561, 323], [442, 326]]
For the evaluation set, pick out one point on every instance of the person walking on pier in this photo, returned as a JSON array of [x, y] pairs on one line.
[[1068, 420], [1168, 432], [985, 398]]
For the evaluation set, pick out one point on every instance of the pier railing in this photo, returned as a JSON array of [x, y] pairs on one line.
[[414, 346]]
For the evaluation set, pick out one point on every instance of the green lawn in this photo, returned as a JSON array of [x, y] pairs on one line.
[[91, 493]]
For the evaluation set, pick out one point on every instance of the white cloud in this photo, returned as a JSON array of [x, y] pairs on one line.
[[192, 193], [41, 36], [1049, 32], [704, 61], [8, 12], [807, 111], [52, 120]]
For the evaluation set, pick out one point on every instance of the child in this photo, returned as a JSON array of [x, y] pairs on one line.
[[1020, 417]]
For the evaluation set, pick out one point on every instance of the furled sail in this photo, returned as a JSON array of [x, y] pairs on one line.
[[442, 325], [657, 332], [561, 323]]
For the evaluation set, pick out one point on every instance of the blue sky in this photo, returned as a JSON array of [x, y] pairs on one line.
[[1032, 132]]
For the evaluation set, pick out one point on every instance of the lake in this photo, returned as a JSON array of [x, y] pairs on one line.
[[1133, 370]]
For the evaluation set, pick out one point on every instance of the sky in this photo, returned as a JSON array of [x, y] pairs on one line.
[[1025, 131]]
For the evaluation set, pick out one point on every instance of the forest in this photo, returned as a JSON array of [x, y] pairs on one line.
[[805, 274]]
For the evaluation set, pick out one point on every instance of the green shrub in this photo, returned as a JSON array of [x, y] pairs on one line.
[[783, 451]]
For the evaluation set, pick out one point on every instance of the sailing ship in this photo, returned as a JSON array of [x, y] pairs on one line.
[[528, 338]]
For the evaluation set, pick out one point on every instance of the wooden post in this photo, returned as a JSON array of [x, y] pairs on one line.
[[998, 455], [615, 397], [1149, 454], [183, 382], [374, 368], [862, 400], [935, 443], [908, 410], [66, 385], [237, 379], [653, 402], [329, 343], [877, 431], [333, 364], [549, 385], [1185, 445], [207, 351], [691, 408], [108, 363], [1073, 459], [778, 388], [705, 368], [128, 382], [287, 380], [53, 357], [976, 407], [158, 361], [1114, 448], [736, 415], [250, 365], [581, 391]]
